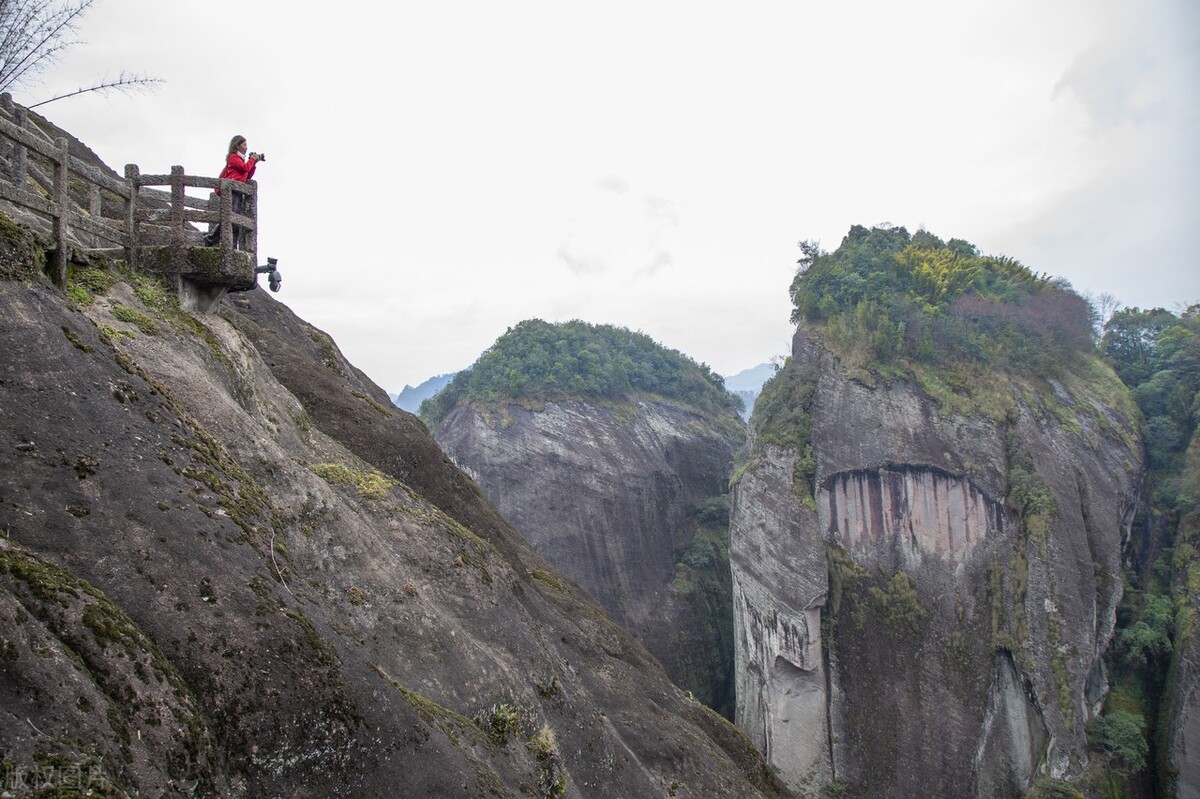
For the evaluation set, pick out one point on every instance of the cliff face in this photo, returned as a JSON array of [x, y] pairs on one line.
[[229, 568], [1181, 712], [627, 501], [1183, 717], [921, 603]]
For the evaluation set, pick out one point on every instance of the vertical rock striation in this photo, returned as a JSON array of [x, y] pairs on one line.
[[909, 509]]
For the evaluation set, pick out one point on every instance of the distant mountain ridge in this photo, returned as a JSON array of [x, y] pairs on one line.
[[751, 379], [748, 383], [411, 397]]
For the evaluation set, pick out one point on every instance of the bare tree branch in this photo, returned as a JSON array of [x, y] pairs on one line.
[[122, 83]]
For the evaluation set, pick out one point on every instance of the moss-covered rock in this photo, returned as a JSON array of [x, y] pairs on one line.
[[22, 256], [207, 266]]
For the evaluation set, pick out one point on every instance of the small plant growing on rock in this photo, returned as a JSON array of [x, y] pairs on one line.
[[835, 790], [547, 688], [898, 606], [552, 777], [501, 723], [374, 485], [370, 485], [76, 341], [85, 283], [136, 318], [110, 335]]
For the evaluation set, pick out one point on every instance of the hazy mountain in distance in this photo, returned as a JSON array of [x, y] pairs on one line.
[[411, 397], [748, 382]]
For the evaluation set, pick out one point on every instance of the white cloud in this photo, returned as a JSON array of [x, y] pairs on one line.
[[614, 184], [578, 261], [617, 232]]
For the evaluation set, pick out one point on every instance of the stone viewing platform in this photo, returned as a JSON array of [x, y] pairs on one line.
[[56, 187]]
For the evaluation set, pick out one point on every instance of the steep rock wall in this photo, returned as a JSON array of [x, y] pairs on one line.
[[228, 568], [1181, 715], [967, 570], [779, 589], [612, 496]]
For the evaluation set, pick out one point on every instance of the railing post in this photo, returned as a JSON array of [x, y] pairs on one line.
[[19, 164], [62, 202], [95, 206], [227, 237], [178, 241], [252, 198], [131, 183]]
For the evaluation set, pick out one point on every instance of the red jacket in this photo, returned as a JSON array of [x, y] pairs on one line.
[[238, 168]]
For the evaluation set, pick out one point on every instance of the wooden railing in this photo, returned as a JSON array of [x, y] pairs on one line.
[[82, 202]]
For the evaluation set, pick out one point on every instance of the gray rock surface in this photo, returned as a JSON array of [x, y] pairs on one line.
[[929, 572], [228, 568], [610, 495], [1183, 715], [779, 588]]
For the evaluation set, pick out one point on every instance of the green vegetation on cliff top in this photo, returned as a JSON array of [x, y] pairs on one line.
[[538, 360], [975, 333], [885, 296]]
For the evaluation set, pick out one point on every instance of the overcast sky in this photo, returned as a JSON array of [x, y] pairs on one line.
[[439, 171]]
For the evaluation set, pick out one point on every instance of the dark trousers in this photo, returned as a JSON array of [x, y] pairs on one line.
[[213, 237]]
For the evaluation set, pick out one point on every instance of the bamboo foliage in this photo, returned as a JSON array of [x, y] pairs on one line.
[[34, 33]]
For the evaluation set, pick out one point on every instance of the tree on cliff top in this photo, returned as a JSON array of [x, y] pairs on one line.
[[917, 297], [543, 361], [1157, 354]]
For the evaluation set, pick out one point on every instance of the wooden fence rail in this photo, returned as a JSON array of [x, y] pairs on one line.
[[71, 193]]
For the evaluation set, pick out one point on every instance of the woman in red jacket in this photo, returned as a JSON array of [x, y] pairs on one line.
[[238, 166]]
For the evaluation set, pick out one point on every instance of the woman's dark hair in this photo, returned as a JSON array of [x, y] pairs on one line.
[[234, 143]]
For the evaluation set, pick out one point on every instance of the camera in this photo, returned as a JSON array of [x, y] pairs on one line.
[[259, 156]]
